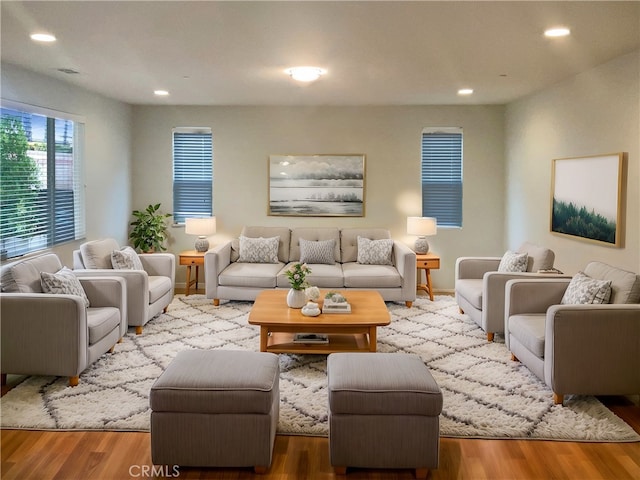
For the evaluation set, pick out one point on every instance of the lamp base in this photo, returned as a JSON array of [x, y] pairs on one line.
[[202, 244], [421, 246]]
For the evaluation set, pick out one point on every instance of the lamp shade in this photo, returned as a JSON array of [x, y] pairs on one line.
[[422, 226], [201, 227]]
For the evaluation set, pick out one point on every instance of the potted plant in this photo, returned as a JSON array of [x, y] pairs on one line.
[[149, 229]]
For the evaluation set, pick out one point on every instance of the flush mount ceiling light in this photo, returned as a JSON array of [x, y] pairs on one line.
[[161, 93], [305, 74], [43, 37], [557, 32], [465, 91]]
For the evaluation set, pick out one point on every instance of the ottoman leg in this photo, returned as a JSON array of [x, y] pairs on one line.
[[340, 470], [422, 472], [260, 470]]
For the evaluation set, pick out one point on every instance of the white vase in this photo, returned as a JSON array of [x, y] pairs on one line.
[[296, 298]]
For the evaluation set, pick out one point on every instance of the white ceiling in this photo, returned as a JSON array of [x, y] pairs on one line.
[[376, 53]]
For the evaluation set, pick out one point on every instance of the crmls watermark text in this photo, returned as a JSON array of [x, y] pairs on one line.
[[154, 471]]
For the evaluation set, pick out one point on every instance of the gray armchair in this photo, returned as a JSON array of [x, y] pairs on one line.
[[56, 334], [585, 349], [479, 287], [149, 291]]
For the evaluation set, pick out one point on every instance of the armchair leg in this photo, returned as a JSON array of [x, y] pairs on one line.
[[514, 358], [216, 302], [408, 304], [112, 349], [73, 381], [422, 472], [460, 310], [164, 310], [340, 470], [139, 330], [490, 336], [558, 398]]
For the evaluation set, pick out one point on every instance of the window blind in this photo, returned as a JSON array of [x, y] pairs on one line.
[[41, 187], [441, 173], [192, 173]]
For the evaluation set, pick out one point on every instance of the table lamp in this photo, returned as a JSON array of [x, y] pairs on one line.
[[423, 227], [201, 227]]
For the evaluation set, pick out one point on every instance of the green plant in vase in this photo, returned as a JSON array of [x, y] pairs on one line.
[[149, 229]]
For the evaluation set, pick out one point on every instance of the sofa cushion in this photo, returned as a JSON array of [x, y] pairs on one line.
[[316, 234], [513, 262], [375, 252], [126, 259], [539, 258], [471, 290], [625, 286], [158, 287], [583, 289], [63, 282], [320, 251], [322, 275], [349, 240], [26, 273], [259, 275], [97, 253], [529, 330], [258, 250], [101, 321], [357, 275], [283, 233]]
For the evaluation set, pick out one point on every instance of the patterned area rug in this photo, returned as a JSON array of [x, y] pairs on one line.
[[486, 395]]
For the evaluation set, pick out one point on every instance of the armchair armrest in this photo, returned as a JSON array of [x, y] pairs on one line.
[[404, 260], [215, 261], [475, 267], [533, 295], [493, 297], [43, 334], [108, 292], [160, 264], [593, 349]]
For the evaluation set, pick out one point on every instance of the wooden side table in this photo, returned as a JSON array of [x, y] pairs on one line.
[[427, 262], [191, 258]]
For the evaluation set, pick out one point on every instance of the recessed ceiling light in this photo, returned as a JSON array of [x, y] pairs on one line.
[[465, 91], [557, 32], [43, 37], [305, 74], [161, 93]]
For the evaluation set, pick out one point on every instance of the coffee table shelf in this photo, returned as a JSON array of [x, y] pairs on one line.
[[283, 343]]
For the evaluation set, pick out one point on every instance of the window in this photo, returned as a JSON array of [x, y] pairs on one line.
[[41, 189], [441, 173], [192, 173]]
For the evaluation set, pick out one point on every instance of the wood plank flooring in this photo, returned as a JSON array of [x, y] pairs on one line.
[[58, 455]]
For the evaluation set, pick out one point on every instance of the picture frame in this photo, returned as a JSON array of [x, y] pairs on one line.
[[587, 198], [318, 185]]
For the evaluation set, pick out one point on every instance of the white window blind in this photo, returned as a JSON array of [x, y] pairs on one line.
[[441, 173], [192, 173], [41, 187]]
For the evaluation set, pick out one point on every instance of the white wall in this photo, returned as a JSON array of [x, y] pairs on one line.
[[243, 138], [596, 112], [107, 148]]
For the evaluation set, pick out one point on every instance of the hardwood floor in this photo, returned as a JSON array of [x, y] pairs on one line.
[[42, 455]]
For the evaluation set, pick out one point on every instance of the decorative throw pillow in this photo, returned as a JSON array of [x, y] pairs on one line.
[[584, 289], [258, 250], [317, 252], [126, 259], [374, 252], [63, 282], [513, 262]]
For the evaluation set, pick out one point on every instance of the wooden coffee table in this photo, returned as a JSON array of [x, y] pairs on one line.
[[347, 332]]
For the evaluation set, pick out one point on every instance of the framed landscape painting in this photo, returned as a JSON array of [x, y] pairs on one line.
[[587, 198], [316, 185]]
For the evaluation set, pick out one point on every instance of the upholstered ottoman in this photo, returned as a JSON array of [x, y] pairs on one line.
[[216, 408], [383, 412]]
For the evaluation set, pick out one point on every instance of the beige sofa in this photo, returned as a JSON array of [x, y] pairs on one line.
[[227, 277], [585, 349], [54, 333], [479, 286]]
